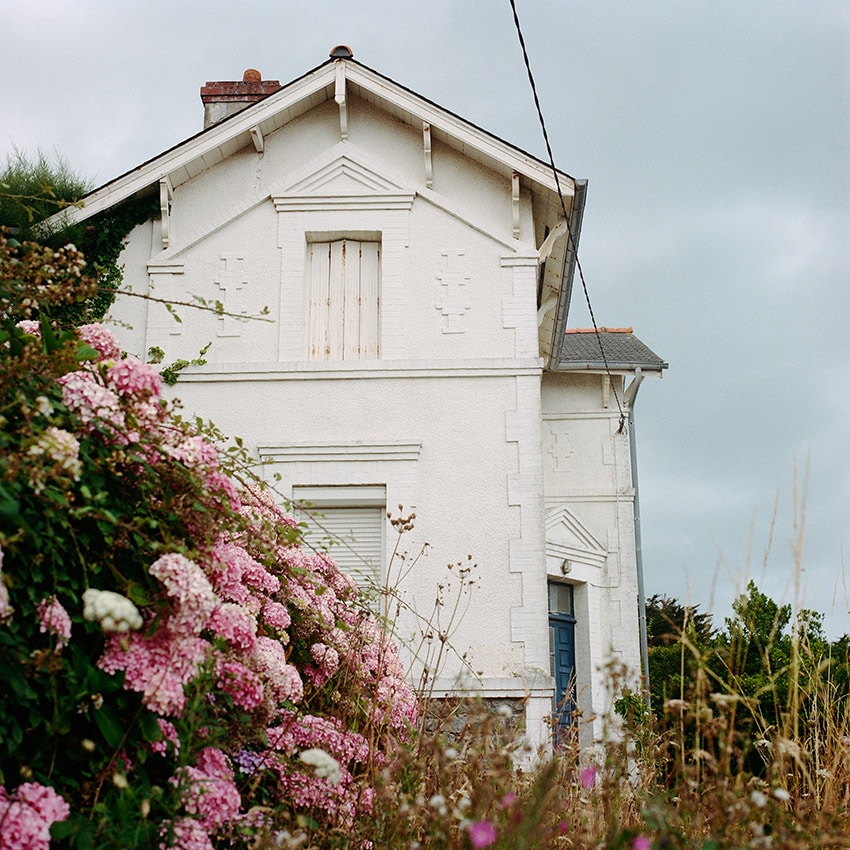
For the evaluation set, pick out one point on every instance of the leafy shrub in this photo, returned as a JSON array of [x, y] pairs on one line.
[[176, 670]]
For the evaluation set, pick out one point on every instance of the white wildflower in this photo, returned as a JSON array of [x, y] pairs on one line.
[[114, 612], [782, 795], [758, 799], [43, 405], [325, 766]]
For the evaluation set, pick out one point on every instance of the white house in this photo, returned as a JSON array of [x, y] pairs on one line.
[[417, 274]]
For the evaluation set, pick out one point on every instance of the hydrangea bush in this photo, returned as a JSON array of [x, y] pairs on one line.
[[177, 671]]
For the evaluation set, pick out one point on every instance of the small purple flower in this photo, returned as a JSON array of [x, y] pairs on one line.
[[588, 777], [482, 833], [641, 842], [508, 800]]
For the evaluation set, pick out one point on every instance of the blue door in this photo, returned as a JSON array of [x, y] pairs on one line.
[[562, 658]]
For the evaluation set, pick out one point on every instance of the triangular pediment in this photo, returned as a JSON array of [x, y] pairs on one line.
[[339, 180], [567, 538], [343, 176]]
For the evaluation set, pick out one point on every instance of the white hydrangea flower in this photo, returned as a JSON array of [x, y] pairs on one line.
[[325, 766], [114, 612]]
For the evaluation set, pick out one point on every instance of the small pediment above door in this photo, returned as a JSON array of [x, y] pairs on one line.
[[568, 539], [342, 183]]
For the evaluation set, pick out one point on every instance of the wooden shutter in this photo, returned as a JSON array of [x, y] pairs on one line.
[[345, 283]]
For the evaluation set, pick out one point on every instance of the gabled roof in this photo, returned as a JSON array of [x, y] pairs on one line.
[[580, 350], [329, 81]]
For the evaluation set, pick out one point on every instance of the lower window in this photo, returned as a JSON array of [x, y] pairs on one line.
[[347, 522]]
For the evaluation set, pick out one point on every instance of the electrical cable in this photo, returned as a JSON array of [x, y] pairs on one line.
[[570, 235]]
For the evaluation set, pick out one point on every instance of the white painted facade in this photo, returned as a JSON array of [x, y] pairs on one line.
[[454, 409]]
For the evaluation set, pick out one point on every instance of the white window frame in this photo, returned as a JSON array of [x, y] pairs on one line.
[[327, 510]]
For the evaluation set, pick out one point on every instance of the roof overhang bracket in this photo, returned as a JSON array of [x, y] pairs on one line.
[[426, 145], [166, 195], [257, 138], [549, 242], [339, 97], [515, 203]]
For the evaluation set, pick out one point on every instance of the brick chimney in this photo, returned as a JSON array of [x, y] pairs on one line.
[[223, 99]]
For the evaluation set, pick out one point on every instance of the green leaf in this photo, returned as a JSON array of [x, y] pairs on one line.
[[137, 594], [86, 352], [149, 726], [110, 727]]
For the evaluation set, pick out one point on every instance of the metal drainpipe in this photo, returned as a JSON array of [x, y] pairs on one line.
[[644, 644]]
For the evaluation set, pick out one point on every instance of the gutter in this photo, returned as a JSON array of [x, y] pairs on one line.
[[629, 397]]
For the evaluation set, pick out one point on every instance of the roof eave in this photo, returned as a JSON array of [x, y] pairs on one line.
[[305, 87]]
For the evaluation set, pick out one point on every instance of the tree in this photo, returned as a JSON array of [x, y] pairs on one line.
[[33, 190]]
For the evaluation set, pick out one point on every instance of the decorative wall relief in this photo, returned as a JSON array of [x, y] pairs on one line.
[[451, 300], [232, 280], [560, 447]]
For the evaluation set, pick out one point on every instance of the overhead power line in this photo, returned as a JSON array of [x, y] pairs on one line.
[[570, 234]]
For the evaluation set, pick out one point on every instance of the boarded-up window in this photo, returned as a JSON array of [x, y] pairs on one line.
[[348, 523], [345, 300]]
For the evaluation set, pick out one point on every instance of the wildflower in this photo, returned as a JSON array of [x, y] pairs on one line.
[[119, 780], [450, 753], [587, 777], [43, 405], [783, 796], [114, 612], [508, 800], [758, 799], [482, 833], [641, 842], [676, 706], [325, 766], [54, 619]]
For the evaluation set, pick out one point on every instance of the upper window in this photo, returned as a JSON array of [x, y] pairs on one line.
[[344, 278]]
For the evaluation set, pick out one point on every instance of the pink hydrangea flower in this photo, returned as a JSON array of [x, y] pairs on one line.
[[482, 833], [90, 400], [236, 625], [53, 619], [169, 736], [30, 326], [186, 834], [208, 790], [101, 339], [132, 377], [243, 685], [26, 815], [189, 588], [156, 666], [276, 615]]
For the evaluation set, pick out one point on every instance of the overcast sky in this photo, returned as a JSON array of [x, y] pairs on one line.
[[715, 137]]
